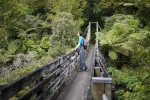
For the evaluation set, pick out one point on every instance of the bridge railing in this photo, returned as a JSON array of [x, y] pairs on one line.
[[101, 80], [44, 82]]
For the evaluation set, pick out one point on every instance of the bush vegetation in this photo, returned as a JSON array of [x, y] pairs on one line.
[[35, 32]]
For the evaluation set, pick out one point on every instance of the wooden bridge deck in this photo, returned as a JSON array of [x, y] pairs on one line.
[[78, 87]]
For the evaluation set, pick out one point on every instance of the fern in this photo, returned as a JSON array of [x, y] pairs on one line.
[[44, 43], [119, 28], [112, 54], [110, 37], [138, 36], [121, 50], [4, 58], [102, 38], [125, 45], [13, 46]]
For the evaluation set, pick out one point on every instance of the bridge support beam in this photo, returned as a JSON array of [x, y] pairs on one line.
[[101, 86]]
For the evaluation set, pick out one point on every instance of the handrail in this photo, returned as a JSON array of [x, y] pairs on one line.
[[101, 78], [60, 70]]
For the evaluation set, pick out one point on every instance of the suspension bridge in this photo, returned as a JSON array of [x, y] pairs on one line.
[[59, 79]]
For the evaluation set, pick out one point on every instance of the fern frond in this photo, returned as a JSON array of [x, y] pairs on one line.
[[139, 36], [13, 46], [112, 54], [20, 32], [121, 50], [119, 28], [45, 25], [103, 42], [111, 38], [125, 45], [101, 38], [4, 56]]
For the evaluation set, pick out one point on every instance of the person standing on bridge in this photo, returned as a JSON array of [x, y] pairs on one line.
[[83, 66]]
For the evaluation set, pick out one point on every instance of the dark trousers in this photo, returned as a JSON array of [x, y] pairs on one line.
[[82, 61]]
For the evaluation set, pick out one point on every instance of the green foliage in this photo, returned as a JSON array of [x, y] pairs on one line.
[[120, 94], [119, 28], [132, 23], [75, 7], [117, 38], [36, 6], [4, 56], [13, 46], [29, 25], [138, 8], [143, 12], [45, 60], [10, 11], [44, 43], [57, 50], [7, 55], [107, 8], [39, 47], [140, 35], [112, 54], [3, 37], [97, 8], [131, 83], [64, 33], [141, 47], [17, 73], [119, 18]]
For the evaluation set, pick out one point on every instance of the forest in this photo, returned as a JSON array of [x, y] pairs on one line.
[[36, 32]]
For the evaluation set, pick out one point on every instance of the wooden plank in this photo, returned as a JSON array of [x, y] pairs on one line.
[[39, 86], [97, 91], [108, 91]]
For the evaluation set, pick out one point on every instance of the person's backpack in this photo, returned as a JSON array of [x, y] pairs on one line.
[[85, 45]]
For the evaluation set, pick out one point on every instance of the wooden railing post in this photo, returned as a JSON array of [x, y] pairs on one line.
[[41, 90]]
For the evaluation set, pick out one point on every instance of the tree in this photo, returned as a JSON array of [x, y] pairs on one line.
[[10, 13], [36, 6], [75, 7], [117, 38], [64, 33]]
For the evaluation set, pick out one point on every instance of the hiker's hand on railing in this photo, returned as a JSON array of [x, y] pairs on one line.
[[75, 49]]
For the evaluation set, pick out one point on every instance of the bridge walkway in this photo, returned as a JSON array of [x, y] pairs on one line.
[[79, 85]]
